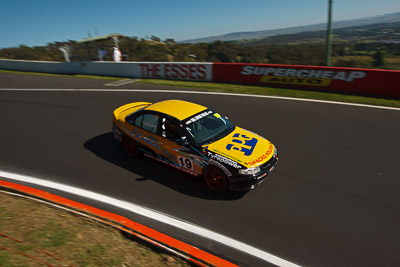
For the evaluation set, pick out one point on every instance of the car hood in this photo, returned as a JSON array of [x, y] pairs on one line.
[[244, 147]]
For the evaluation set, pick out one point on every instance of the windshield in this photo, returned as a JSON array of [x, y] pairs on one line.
[[207, 127]]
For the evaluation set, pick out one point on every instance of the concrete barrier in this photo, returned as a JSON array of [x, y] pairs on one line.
[[37, 66], [160, 70]]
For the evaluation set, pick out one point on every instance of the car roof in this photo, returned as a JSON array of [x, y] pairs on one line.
[[176, 108]]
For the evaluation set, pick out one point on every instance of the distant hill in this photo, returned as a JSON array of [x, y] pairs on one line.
[[381, 32], [239, 36]]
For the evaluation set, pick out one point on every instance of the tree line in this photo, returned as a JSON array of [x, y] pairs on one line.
[[354, 54]]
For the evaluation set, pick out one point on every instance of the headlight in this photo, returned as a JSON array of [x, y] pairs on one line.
[[250, 171]]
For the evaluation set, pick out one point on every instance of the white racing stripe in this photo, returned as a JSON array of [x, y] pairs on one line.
[[201, 93], [155, 215]]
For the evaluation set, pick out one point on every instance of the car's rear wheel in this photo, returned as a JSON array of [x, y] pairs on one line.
[[131, 147], [215, 179]]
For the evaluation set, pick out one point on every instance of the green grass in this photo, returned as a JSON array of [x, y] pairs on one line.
[[61, 238], [260, 90]]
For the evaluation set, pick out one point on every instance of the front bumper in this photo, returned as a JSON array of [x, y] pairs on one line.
[[249, 182]]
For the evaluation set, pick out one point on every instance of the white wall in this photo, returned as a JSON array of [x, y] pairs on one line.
[[161, 70]]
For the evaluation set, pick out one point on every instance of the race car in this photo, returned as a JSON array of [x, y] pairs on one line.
[[197, 141]]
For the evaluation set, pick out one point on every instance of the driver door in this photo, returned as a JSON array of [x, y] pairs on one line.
[[176, 148]]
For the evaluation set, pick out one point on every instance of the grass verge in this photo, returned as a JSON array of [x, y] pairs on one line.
[[36, 234], [261, 90]]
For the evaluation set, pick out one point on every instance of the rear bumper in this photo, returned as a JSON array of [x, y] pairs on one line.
[[117, 133]]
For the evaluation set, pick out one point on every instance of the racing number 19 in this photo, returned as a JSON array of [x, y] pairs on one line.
[[186, 163]]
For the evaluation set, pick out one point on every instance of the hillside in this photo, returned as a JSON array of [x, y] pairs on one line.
[[239, 36], [384, 33]]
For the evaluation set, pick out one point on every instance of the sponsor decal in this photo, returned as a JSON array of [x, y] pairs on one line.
[[150, 140], [271, 169], [262, 176], [302, 76], [243, 144], [199, 116], [185, 163], [296, 81], [224, 160], [173, 165], [197, 160], [264, 156], [153, 142], [220, 152]]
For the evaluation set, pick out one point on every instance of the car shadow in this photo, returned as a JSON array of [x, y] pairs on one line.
[[105, 147]]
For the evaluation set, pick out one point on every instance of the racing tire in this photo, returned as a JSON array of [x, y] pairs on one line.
[[215, 179], [131, 147]]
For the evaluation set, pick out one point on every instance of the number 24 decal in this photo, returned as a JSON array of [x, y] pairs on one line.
[[185, 162]]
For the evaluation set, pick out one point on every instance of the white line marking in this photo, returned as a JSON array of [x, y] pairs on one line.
[[202, 93], [155, 215], [120, 82]]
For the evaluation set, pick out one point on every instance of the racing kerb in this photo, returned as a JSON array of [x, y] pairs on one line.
[[189, 253]]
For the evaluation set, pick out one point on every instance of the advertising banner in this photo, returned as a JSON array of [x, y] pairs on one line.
[[176, 71], [381, 83], [344, 80]]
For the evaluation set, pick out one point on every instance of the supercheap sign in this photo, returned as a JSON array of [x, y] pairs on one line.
[[300, 76], [348, 80]]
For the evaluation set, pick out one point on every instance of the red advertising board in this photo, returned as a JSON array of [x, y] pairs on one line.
[[344, 80]]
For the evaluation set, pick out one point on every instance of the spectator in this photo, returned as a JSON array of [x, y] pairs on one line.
[[117, 55], [102, 53]]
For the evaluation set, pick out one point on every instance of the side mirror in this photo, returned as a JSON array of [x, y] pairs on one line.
[[183, 142]]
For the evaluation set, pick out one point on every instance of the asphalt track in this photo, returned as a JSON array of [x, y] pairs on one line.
[[332, 201]]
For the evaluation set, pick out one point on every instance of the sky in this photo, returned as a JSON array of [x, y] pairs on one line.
[[36, 23]]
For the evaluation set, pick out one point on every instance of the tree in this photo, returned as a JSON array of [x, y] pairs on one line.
[[169, 41], [155, 38], [379, 59]]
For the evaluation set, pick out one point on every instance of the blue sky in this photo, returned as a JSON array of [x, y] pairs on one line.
[[40, 22]]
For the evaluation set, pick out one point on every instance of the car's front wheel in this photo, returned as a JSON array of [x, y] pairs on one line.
[[131, 147], [215, 179]]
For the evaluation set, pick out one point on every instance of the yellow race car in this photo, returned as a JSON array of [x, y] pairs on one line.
[[195, 140]]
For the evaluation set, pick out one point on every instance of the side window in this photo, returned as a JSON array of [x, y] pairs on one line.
[[138, 121], [149, 122], [135, 119], [171, 129]]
